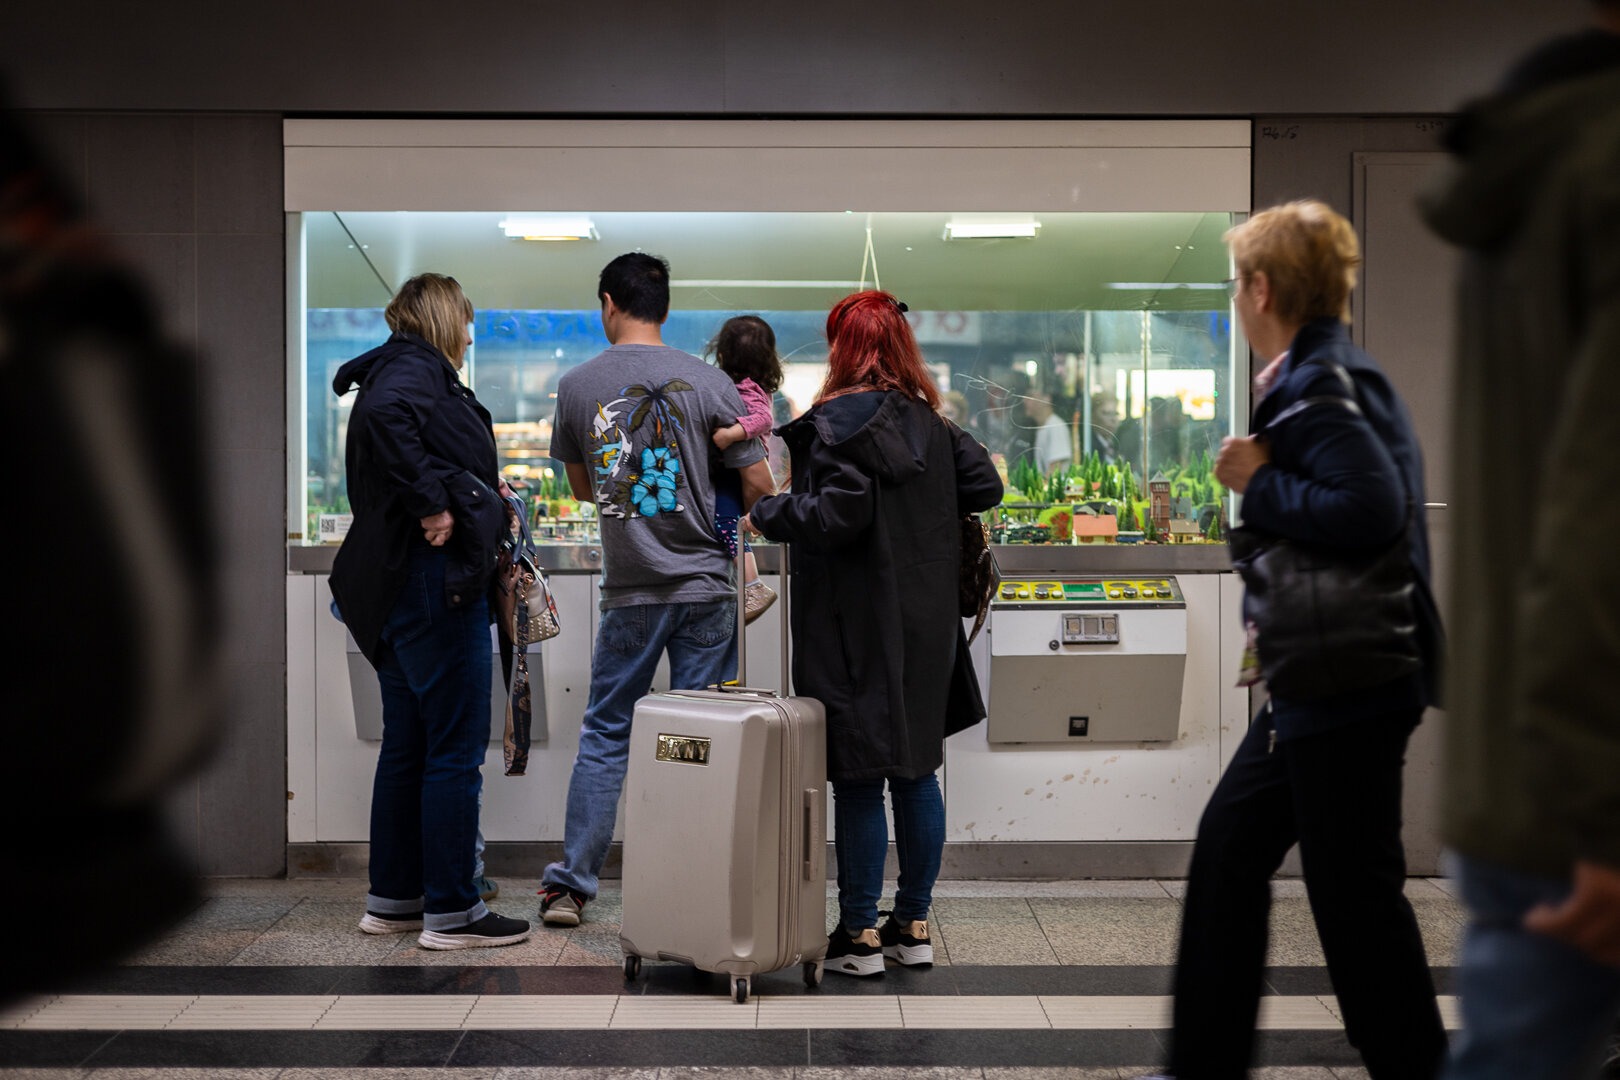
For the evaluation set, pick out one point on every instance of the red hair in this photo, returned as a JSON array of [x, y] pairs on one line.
[[871, 347]]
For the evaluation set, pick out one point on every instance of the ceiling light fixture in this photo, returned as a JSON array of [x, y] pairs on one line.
[[549, 227], [991, 227]]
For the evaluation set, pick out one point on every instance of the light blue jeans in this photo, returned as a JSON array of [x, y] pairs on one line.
[[1533, 1008], [702, 643]]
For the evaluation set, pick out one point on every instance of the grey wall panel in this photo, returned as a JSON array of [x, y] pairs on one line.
[[143, 173], [1300, 157], [1043, 57], [195, 204], [239, 174], [241, 318], [242, 808]]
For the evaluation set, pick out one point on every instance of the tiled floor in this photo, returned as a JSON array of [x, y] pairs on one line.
[[1033, 981]]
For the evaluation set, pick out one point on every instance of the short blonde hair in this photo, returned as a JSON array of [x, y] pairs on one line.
[[433, 307], [1309, 254]]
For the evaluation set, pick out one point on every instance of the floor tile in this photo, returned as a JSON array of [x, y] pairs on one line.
[[569, 1073], [538, 950], [1301, 1049], [107, 1012], [988, 930], [197, 948], [723, 1072], [194, 979], [1109, 1013], [1102, 980], [370, 1012], [684, 1014], [1057, 1072], [1296, 1014], [936, 1072], [297, 888], [1353, 1072], [46, 1073], [1110, 931], [17, 1012], [224, 1012], [969, 1048], [50, 1049], [184, 1074], [823, 1012], [542, 1011], [308, 1049], [388, 1074], [633, 1048], [973, 1013], [317, 932]]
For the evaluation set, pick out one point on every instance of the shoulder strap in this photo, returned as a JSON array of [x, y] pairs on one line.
[[1351, 403]]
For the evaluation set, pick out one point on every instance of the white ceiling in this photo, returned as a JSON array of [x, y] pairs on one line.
[[1067, 267]]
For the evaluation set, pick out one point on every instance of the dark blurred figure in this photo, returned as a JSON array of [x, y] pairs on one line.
[[1533, 806], [107, 682], [1104, 427]]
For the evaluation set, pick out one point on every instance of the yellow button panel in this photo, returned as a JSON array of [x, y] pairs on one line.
[[1092, 590]]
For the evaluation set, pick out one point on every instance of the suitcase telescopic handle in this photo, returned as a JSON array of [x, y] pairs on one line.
[[742, 613]]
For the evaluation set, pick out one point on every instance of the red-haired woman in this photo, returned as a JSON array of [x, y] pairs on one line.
[[879, 481]]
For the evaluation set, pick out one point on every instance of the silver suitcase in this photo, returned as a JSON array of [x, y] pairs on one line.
[[725, 850]]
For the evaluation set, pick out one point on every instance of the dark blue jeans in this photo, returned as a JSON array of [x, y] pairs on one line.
[[861, 841], [702, 643], [435, 673]]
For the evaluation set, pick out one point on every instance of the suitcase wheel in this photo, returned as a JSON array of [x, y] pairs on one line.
[[812, 974], [739, 989], [632, 965]]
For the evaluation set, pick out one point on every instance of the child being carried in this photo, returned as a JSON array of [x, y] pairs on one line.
[[745, 349]]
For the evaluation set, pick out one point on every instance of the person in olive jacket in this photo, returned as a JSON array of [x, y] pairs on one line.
[[410, 582], [880, 481]]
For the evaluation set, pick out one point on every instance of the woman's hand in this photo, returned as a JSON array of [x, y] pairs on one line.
[[1239, 459], [438, 527]]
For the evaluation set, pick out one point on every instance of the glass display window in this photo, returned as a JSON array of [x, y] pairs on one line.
[[1094, 354]]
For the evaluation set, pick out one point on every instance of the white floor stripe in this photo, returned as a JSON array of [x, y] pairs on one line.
[[599, 1012]]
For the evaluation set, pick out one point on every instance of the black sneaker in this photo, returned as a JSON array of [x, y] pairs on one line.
[[492, 929], [561, 906], [909, 944], [861, 954], [374, 922]]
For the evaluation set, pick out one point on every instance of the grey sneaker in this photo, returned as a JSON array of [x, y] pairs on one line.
[[486, 889], [561, 906]]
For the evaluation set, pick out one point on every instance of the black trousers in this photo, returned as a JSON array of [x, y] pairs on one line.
[[1338, 794]]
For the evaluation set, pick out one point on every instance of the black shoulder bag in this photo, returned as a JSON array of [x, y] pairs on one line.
[[1328, 621]]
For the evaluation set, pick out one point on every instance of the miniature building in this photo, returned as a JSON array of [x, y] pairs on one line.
[[1095, 528], [1183, 531], [1159, 505], [1181, 506]]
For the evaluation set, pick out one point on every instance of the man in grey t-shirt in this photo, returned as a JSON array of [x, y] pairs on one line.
[[633, 429]]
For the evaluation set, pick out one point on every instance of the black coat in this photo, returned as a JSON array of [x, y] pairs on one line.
[[879, 481], [419, 443], [1343, 479]]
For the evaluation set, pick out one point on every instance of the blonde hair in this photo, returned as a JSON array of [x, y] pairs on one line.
[[1309, 254], [433, 307]]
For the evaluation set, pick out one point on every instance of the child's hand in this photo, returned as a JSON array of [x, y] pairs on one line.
[[724, 437]]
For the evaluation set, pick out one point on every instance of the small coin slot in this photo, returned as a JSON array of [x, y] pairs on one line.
[[1079, 726]]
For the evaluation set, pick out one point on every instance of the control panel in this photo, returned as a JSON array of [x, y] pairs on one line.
[[1071, 591]]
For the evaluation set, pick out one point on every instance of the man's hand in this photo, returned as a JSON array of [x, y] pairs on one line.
[[438, 527], [1239, 459], [1590, 918]]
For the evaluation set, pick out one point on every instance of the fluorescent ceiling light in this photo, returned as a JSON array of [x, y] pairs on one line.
[[549, 227], [991, 227], [748, 283], [1158, 286]]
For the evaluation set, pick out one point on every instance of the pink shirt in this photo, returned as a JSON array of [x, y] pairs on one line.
[[757, 421]]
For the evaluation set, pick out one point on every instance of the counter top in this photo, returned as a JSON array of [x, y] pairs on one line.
[[1013, 558]]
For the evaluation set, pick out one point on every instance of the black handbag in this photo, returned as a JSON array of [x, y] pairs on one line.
[[979, 575], [1328, 621]]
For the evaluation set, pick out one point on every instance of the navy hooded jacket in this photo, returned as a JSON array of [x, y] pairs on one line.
[[1343, 479], [415, 433]]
